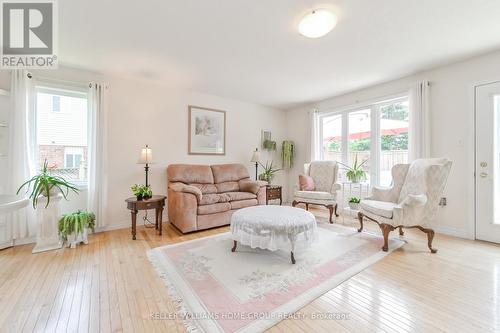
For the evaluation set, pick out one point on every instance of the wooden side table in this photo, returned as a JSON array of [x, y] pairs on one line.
[[273, 192], [156, 202]]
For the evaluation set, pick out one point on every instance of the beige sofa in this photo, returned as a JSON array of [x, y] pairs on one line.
[[203, 196]]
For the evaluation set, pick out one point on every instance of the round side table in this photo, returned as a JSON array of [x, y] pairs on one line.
[[156, 202]]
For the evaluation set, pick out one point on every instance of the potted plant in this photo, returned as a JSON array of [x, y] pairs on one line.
[[355, 173], [269, 171], [47, 185], [354, 203], [142, 192], [74, 227], [287, 153]]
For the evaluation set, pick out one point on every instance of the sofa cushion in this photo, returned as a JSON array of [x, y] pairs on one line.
[[206, 188], [252, 186], [229, 172], [243, 203], [315, 195], [235, 196], [227, 187], [380, 208], [212, 198], [190, 173], [214, 208]]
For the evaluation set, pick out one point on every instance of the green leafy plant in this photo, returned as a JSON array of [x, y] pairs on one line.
[[287, 154], [269, 171], [355, 200], [269, 145], [355, 173], [142, 191], [76, 223], [44, 184]]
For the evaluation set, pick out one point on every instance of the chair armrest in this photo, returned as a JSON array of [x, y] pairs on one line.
[[181, 187], [251, 186]]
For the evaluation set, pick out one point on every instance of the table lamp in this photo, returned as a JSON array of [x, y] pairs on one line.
[[256, 160], [146, 158]]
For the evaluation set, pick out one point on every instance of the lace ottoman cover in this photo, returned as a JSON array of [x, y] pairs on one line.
[[273, 227]]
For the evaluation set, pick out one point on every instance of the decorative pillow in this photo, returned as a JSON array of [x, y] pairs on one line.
[[306, 183]]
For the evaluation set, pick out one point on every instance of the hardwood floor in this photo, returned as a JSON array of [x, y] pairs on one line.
[[109, 286]]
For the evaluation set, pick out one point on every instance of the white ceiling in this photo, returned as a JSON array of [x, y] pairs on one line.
[[250, 50]]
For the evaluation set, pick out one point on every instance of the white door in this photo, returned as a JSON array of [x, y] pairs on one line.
[[488, 162]]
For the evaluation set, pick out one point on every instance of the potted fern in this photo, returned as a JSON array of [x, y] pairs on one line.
[[74, 227], [142, 191]]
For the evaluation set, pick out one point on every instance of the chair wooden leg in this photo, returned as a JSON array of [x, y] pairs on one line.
[[294, 203], [330, 208], [307, 206], [336, 214], [401, 232], [360, 218], [234, 246], [386, 229], [430, 237]]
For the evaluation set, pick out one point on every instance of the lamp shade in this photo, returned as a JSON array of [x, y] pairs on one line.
[[255, 156], [146, 156]]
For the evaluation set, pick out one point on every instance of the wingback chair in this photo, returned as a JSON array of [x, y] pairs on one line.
[[411, 202], [324, 193]]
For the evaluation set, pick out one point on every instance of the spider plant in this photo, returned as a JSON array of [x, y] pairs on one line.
[[287, 154], [355, 173], [44, 183], [269, 171]]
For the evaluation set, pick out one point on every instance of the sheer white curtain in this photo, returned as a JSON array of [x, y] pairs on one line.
[[314, 148], [420, 131], [22, 148], [97, 164]]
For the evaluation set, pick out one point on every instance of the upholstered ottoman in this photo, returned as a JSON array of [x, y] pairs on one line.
[[273, 227]]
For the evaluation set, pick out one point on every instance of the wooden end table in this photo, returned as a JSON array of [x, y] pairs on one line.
[[156, 202], [273, 192]]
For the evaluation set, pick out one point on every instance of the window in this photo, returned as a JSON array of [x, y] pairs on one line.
[[377, 133], [56, 103], [61, 132]]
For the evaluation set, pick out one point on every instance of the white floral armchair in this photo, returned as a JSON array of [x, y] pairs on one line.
[[324, 175], [411, 202]]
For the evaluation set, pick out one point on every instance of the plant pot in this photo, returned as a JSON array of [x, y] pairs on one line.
[[74, 238], [139, 197], [146, 197], [353, 206]]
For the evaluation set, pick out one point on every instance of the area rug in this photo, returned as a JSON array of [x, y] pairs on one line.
[[251, 290]]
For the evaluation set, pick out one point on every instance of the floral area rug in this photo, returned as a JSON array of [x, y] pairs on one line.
[[250, 290]]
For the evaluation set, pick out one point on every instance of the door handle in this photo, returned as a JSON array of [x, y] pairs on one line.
[[483, 174]]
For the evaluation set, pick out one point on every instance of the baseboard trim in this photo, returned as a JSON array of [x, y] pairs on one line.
[[117, 226], [450, 231]]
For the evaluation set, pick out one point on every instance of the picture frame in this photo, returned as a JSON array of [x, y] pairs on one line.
[[207, 131]]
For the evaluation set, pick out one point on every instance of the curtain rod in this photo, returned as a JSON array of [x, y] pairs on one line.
[[80, 84]]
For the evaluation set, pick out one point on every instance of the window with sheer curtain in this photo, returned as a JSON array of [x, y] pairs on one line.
[[377, 133]]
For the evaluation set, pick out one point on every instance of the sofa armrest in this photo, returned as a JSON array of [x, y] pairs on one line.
[[181, 187], [251, 186], [182, 210]]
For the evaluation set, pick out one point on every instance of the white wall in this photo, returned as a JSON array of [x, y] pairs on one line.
[[150, 113], [451, 103]]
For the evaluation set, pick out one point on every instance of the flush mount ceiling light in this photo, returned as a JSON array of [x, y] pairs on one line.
[[317, 23]]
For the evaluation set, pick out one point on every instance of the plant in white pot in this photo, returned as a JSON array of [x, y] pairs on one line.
[[354, 203], [47, 186], [355, 173], [74, 227]]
